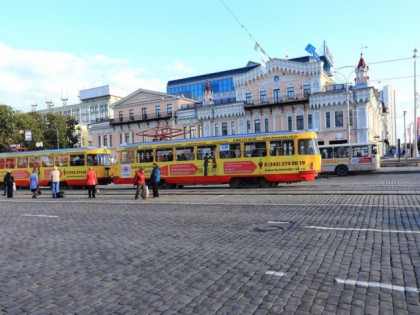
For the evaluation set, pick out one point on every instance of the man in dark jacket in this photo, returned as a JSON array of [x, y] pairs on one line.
[[8, 182]]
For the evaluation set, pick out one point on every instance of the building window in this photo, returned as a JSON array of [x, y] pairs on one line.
[[299, 122], [121, 138], [169, 109], [121, 116], [351, 117], [289, 123], [127, 137], [263, 97], [306, 90], [224, 129], [327, 120], [216, 129], [99, 141], [266, 124], [248, 126], [144, 113], [248, 98], [157, 111], [200, 131], [232, 128], [131, 114], [105, 141], [257, 126], [310, 121], [110, 141], [132, 137], [290, 92], [276, 96], [339, 119], [192, 132]]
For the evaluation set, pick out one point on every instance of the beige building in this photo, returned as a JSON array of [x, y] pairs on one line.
[[142, 116], [296, 94]]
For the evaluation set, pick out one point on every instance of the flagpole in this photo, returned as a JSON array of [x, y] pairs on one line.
[[415, 138]]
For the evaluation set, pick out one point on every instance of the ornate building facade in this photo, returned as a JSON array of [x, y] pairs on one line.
[[294, 94]]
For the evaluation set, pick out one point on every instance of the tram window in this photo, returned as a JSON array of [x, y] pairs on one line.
[[10, 162], [204, 150], [145, 156], [2, 163], [47, 161], [127, 157], [307, 147], [255, 149], [75, 160], [230, 151], [281, 147], [164, 155], [22, 162], [184, 153], [34, 161], [92, 160], [63, 160]]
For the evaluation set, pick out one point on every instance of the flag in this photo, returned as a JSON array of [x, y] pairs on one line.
[[256, 46], [263, 57], [418, 129]]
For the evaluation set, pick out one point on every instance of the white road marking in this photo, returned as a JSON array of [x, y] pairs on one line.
[[278, 222], [40, 215], [216, 197], [377, 285], [355, 229], [275, 273]]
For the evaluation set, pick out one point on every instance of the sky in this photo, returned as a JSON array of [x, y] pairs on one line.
[[52, 49]]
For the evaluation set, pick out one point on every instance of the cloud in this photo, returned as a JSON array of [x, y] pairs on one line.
[[179, 66], [28, 77]]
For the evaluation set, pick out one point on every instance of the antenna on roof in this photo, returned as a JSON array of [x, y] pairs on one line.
[[64, 99], [50, 103]]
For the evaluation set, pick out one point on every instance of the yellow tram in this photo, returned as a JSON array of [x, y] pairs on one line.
[[264, 159], [72, 164]]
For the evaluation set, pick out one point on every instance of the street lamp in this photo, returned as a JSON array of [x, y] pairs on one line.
[[56, 129], [405, 137], [347, 102], [415, 154]]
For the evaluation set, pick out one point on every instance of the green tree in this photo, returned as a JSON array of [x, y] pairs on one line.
[[9, 133]]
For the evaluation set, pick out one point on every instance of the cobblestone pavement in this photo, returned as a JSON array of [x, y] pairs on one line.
[[218, 252]]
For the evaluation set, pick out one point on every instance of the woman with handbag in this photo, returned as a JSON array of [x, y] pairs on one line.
[[33, 186]]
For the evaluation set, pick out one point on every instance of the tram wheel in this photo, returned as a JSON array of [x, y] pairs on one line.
[[264, 183], [234, 183]]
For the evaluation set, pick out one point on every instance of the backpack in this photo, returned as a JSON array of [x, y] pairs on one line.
[[157, 174]]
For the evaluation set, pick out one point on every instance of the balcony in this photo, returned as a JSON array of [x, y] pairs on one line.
[[290, 99], [141, 118]]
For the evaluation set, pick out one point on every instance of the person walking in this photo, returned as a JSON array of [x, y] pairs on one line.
[[55, 181], [155, 179], [140, 181], [91, 182], [5, 184], [33, 185], [8, 182]]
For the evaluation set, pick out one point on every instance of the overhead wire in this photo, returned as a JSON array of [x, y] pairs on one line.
[[243, 27]]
